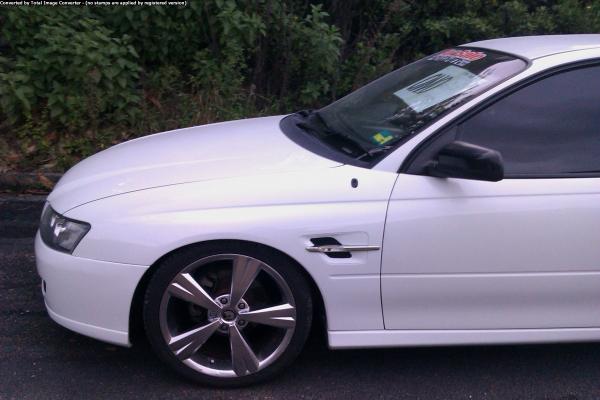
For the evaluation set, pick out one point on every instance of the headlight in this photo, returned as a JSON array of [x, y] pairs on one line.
[[61, 233]]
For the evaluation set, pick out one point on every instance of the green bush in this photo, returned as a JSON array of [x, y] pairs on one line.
[[78, 72], [74, 80]]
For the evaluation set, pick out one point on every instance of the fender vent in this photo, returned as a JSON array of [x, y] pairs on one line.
[[324, 241]]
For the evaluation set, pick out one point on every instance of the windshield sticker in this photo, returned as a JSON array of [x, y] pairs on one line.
[[457, 57], [437, 87], [382, 137]]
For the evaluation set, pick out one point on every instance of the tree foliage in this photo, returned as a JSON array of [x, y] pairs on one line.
[[74, 80]]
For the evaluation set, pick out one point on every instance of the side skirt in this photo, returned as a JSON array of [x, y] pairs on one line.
[[407, 338]]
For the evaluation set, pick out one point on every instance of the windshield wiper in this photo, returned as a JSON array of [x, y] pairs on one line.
[[374, 152], [314, 123]]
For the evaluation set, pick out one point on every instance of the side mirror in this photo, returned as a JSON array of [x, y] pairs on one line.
[[467, 161]]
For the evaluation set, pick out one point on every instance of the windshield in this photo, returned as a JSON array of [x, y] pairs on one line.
[[370, 121]]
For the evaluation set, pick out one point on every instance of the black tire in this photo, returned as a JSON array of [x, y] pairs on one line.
[[175, 263]]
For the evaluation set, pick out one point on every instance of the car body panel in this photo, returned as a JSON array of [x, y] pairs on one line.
[[519, 253], [283, 211], [88, 296], [444, 337], [208, 152]]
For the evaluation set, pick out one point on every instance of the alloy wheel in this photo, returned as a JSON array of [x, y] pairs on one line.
[[227, 315]]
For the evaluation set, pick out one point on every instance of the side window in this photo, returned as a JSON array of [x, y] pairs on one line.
[[548, 128]]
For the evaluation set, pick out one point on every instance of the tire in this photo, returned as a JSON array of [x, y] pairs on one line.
[[194, 328]]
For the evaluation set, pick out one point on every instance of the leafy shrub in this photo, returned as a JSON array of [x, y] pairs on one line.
[[77, 79], [76, 71]]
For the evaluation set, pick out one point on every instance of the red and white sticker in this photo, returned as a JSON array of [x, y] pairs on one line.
[[458, 57]]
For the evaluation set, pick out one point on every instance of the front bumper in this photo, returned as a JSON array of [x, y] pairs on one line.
[[90, 297]]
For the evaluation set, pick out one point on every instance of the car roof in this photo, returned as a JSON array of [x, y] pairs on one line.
[[532, 47]]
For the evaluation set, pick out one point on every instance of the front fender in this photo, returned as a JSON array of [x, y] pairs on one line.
[[281, 211]]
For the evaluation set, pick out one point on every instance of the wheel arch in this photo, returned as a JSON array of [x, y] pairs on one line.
[[136, 326]]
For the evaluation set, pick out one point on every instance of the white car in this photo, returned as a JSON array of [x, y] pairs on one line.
[[453, 201]]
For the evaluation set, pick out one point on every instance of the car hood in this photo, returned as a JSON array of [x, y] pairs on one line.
[[216, 151]]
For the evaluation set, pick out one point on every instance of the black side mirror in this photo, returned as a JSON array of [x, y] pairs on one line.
[[467, 161]]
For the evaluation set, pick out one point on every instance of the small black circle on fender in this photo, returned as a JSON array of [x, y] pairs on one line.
[[354, 183]]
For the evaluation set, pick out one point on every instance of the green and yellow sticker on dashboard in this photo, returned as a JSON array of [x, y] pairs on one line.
[[382, 137]]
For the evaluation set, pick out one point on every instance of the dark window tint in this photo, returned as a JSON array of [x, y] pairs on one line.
[[550, 127]]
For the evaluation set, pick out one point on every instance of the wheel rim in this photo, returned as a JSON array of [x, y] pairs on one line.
[[227, 315]]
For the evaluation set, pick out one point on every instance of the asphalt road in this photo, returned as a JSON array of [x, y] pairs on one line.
[[41, 360]]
